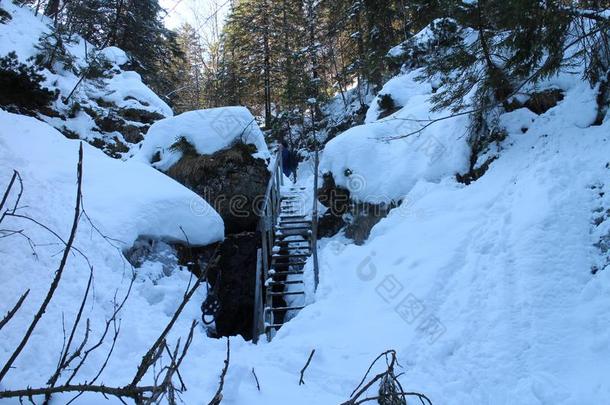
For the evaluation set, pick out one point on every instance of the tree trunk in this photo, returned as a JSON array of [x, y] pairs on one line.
[[52, 8]]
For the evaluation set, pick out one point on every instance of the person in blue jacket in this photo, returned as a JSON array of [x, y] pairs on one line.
[[288, 160]]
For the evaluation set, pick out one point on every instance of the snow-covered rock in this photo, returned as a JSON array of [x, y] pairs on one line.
[[127, 90], [123, 200], [126, 199], [112, 111], [208, 131], [375, 168]]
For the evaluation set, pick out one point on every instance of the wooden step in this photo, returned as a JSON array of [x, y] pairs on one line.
[[302, 222], [271, 282], [276, 257], [289, 217], [273, 272], [284, 243], [279, 294], [274, 326], [280, 309], [284, 265], [294, 228]]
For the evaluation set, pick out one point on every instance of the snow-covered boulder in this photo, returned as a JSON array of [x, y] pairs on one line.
[[208, 131], [125, 199], [381, 161]]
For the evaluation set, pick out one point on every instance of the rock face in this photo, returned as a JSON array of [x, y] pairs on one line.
[[232, 275], [357, 219], [230, 180], [538, 102], [337, 199]]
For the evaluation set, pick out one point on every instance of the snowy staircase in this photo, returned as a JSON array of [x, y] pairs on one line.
[[288, 239], [292, 246]]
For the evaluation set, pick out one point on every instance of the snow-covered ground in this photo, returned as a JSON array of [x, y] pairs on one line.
[[485, 291], [123, 201]]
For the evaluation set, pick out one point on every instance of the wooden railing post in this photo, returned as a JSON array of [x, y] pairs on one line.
[[314, 210], [268, 218], [257, 320]]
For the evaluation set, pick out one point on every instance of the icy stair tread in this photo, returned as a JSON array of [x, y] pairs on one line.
[[291, 249]]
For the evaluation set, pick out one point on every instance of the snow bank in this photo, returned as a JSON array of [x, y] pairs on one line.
[[123, 200], [123, 89], [126, 199], [115, 55], [485, 290], [127, 90], [207, 130], [377, 170], [21, 33]]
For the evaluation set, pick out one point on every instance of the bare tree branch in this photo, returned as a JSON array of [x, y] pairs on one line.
[[121, 392], [147, 359], [14, 310], [218, 396], [258, 386], [58, 273], [301, 381], [364, 386], [64, 361]]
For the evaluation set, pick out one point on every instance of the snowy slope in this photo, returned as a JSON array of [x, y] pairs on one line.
[[20, 33], [485, 291], [207, 130], [94, 99], [128, 199], [123, 200]]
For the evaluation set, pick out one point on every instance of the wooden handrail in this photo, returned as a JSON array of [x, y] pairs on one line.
[[268, 217], [314, 222]]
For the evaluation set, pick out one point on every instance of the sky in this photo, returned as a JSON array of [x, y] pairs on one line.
[[181, 11]]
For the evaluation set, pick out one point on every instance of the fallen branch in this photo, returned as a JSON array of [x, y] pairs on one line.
[[258, 386], [218, 396], [58, 273], [121, 392], [301, 381], [421, 397], [387, 377]]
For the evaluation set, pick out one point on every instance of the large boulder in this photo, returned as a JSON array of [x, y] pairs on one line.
[[232, 275], [357, 219], [231, 180]]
